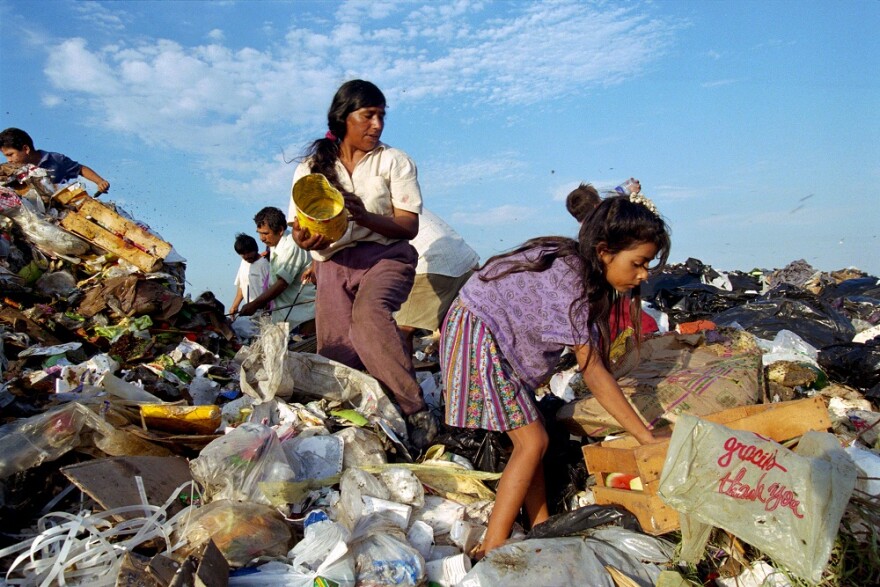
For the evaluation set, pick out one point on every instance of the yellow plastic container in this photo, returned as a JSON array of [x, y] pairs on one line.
[[320, 207], [181, 418]]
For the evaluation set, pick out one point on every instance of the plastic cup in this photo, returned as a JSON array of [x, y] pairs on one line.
[[448, 571]]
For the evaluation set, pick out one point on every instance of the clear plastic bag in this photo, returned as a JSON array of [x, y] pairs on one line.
[[241, 531], [234, 465], [382, 560], [29, 442], [42, 233], [265, 372]]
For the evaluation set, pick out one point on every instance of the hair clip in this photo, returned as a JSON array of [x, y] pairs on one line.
[[641, 199]]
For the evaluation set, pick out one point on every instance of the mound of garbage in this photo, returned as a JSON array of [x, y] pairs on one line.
[[143, 443]]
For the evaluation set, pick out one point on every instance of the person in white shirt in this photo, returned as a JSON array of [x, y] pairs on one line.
[[289, 288], [252, 278], [445, 263]]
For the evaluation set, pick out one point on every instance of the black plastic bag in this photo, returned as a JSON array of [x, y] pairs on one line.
[[486, 449], [854, 363], [787, 307], [578, 521]]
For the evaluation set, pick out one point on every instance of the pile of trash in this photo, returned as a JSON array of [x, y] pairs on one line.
[[143, 443]]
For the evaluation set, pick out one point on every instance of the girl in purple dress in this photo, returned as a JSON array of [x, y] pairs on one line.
[[506, 331]]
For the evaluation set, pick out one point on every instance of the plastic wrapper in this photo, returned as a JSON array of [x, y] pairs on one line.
[[355, 484], [266, 373], [234, 465], [787, 504], [314, 457], [29, 442], [403, 486], [382, 560], [241, 531], [42, 233], [320, 377], [361, 448]]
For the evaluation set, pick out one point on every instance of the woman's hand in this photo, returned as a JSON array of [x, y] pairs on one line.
[[355, 207], [305, 240]]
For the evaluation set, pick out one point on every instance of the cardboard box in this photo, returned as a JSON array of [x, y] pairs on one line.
[[676, 374], [106, 229], [780, 422]]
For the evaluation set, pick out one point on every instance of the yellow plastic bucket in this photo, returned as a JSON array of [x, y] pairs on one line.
[[320, 207]]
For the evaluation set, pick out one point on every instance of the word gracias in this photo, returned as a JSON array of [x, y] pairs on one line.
[[774, 496]]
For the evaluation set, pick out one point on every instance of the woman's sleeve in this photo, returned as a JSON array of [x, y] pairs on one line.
[[301, 170], [404, 183]]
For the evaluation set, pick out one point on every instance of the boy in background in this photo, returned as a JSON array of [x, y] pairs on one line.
[[18, 147], [252, 278]]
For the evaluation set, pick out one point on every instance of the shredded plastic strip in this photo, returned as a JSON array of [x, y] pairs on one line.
[[75, 549]]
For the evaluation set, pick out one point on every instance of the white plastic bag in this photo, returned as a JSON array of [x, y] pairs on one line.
[[787, 504]]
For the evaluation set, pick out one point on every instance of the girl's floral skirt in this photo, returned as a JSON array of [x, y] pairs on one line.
[[482, 391]]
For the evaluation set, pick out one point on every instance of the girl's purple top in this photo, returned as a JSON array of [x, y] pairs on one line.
[[528, 313]]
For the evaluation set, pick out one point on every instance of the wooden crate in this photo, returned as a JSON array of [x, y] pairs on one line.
[[106, 229], [780, 422]]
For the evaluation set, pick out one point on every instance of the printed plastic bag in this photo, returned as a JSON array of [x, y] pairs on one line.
[[382, 560], [234, 465], [787, 504]]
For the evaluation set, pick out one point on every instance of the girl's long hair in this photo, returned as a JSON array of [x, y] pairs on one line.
[[616, 225], [352, 95]]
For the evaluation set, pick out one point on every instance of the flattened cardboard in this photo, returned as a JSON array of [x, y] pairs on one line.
[[111, 483]]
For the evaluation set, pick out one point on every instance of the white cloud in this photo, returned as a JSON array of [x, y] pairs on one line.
[[718, 83], [507, 214], [51, 100], [213, 102], [445, 175], [101, 17]]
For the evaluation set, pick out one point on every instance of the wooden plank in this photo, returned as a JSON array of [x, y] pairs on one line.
[[110, 242], [70, 194], [786, 420], [120, 226], [610, 460], [654, 516]]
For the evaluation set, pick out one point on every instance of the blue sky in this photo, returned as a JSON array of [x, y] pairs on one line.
[[753, 125]]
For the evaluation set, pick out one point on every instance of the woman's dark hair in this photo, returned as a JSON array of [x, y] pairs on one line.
[[352, 95], [616, 225]]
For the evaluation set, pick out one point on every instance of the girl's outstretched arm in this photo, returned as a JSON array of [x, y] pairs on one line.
[[605, 389]]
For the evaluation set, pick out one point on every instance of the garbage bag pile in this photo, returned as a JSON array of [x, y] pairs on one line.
[[142, 443]]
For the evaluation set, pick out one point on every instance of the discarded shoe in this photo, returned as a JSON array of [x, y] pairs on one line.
[[422, 429]]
